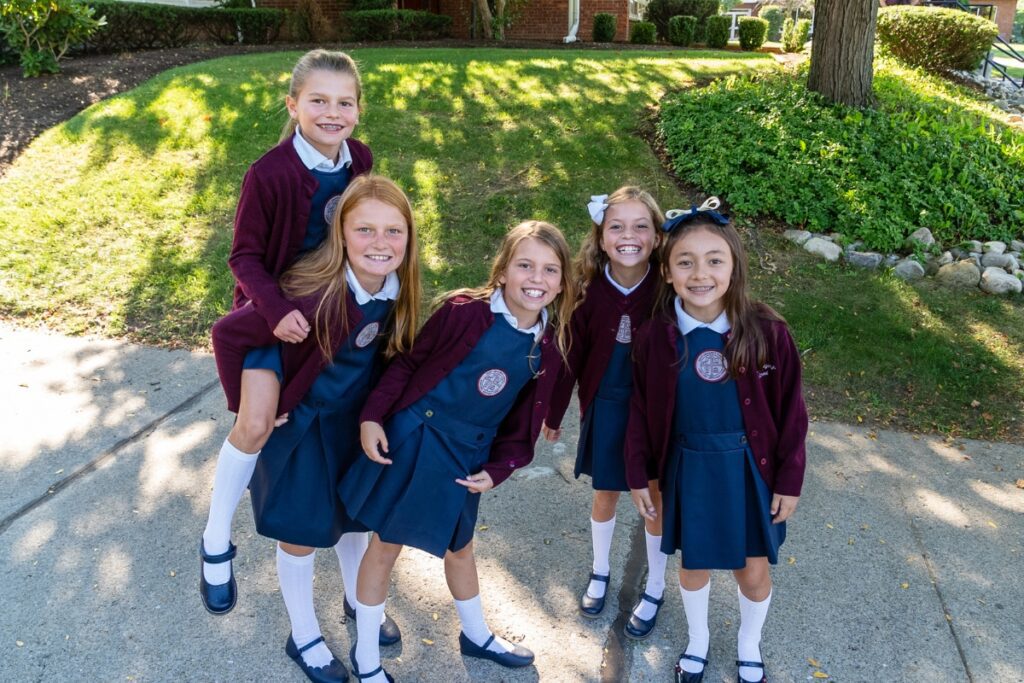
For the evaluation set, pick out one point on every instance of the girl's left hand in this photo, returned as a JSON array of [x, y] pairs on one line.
[[477, 483], [783, 507]]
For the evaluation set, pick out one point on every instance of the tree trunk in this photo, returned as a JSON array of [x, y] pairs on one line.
[[486, 18], [843, 50]]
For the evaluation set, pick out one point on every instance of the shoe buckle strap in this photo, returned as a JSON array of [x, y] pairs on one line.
[[487, 642], [226, 556], [371, 674], [603, 578], [752, 665], [312, 643], [694, 658], [657, 602]]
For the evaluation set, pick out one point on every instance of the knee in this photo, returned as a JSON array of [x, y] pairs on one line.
[[252, 431]]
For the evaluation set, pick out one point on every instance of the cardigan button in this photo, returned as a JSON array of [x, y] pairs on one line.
[[429, 413], [764, 461], [753, 432], [743, 439], [742, 369], [746, 401]]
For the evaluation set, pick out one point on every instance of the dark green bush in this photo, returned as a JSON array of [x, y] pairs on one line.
[[660, 11], [718, 28], [773, 15], [42, 31], [363, 5], [928, 156], [752, 32], [787, 32], [604, 28], [794, 35], [935, 39], [253, 26], [397, 24], [681, 30], [142, 26], [642, 33]]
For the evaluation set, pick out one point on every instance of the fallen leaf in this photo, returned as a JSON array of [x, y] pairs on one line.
[[482, 528], [434, 616], [865, 527], [791, 560], [860, 419], [19, 643], [428, 641], [905, 585], [1020, 483], [828, 525], [993, 524], [975, 404], [820, 674], [173, 573], [949, 617], [813, 662]]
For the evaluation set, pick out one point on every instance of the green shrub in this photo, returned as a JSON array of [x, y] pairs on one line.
[[752, 32], [787, 32], [397, 24], [773, 15], [141, 26], [604, 28], [660, 11], [42, 31], [642, 33], [681, 30], [307, 23], [935, 39], [798, 35], [1018, 25], [931, 154], [718, 28], [363, 5], [253, 26]]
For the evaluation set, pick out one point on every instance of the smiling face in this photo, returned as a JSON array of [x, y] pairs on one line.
[[699, 268], [376, 238], [628, 236], [326, 110], [531, 281]]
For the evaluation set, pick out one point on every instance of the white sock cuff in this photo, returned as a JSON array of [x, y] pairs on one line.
[[472, 602], [706, 589], [229, 449], [297, 560], [754, 603], [602, 525]]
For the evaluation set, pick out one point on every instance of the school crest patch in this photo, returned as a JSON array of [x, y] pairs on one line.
[[625, 333], [367, 335], [711, 365], [330, 207], [492, 382]]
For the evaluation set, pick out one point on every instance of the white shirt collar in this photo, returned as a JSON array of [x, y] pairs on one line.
[[687, 323], [498, 305], [616, 285], [388, 292], [314, 160]]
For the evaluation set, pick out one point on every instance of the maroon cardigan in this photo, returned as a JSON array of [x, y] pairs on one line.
[[445, 340], [245, 329], [771, 400], [270, 222], [594, 326]]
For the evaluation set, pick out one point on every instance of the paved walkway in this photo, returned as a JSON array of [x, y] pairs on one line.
[[903, 562]]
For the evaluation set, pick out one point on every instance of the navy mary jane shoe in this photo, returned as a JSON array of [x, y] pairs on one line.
[[517, 657], [752, 665], [688, 677], [389, 632], [334, 672], [637, 628], [219, 599], [590, 607], [379, 669]]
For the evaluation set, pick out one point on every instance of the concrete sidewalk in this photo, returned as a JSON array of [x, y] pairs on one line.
[[903, 562]]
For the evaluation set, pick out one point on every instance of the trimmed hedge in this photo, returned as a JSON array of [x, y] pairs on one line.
[[604, 28], [681, 30], [253, 26], [752, 32], [935, 39], [642, 33], [364, 5], [774, 17], [718, 28], [660, 11], [397, 24], [795, 35]]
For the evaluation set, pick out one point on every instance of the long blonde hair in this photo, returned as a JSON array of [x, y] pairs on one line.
[[561, 308], [323, 270], [320, 60], [591, 259]]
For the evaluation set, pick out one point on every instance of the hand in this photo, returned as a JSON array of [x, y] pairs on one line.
[[292, 328], [550, 434], [374, 440], [644, 504], [783, 507], [477, 483], [281, 419]]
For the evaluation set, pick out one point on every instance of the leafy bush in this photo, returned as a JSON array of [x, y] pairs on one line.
[[935, 39], [141, 26], [307, 23], [42, 31], [642, 33], [660, 11], [363, 5], [798, 34], [773, 15], [1018, 25], [752, 32], [253, 26], [604, 28], [787, 32], [681, 30], [397, 24], [931, 155], [718, 28]]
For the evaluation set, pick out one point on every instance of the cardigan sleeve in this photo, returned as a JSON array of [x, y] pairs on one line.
[[638, 451], [570, 369], [790, 415]]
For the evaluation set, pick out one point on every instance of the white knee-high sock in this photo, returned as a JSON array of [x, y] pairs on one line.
[[748, 641], [656, 561], [471, 614], [295, 574], [368, 639], [601, 533], [234, 470], [695, 604], [350, 549]]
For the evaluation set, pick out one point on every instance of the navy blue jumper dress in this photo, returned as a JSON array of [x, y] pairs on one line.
[[444, 436], [716, 504], [603, 431], [294, 487]]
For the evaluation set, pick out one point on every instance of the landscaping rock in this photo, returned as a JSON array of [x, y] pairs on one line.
[[891, 260], [960, 274], [823, 248], [973, 246], [922, 236], [1016, 245], [994, 247], [834, 237], [946, 258], [958, 254], [998, 281], [909, 269], [931, 266], [1014, 263], [992, 259], [864, 259], [976, 260], [797, 236]]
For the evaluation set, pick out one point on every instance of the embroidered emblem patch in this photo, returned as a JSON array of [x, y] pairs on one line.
[[330, 207], [492, 382], [625, 333], [710, 365], [367, 335]]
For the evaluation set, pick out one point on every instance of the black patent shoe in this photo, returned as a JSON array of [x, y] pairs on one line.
[[688, 677], [219, 599], [637, 628], [517, 657], [592, 607], [333, 672], [355, 668], [753, 665], [389, 631]]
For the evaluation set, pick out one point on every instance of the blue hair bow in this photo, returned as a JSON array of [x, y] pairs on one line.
[[676, 217]]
